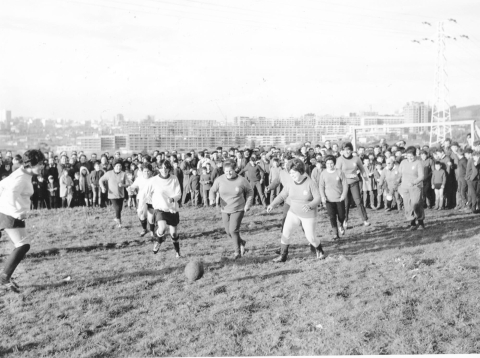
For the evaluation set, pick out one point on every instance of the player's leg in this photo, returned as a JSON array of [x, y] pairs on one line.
[[175, 239], [309, 226], [332, 215], [340, 211], [416, 202], [234, 228], [407, 204], [160, 230], [142, 216], [226, 217], [22, 246], [117, 207], [355, 190], [291, 222]]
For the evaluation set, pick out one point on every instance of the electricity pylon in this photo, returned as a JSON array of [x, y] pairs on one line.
[[441, 119]]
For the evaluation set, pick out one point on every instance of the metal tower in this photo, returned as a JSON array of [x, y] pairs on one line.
[[441, 118]]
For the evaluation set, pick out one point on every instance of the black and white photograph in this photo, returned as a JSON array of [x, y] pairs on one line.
[[225, 178]]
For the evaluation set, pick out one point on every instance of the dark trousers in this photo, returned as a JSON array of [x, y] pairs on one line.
[[232, 223], [186, 188], [34, 203], [462, 189], [336, 211], [117, 206], [449, 192], [97, 198], [366, 195], [43, 203], [473, 193], [53, 202], [354, 189], [195, 195], [428, 196], [258, 192], [205, 194]]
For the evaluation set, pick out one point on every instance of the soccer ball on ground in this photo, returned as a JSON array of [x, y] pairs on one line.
[[194, 270]]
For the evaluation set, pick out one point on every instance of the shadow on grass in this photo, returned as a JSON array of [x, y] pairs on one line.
[[100, 246], [18, 348], [96, 281], [270, 275], [385, 237]]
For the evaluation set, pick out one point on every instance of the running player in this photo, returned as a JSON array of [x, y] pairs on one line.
[[116, 183], [236, 197], [164, 192], [145, 210], [333, 190], [304, 198], [15, 192], [351, 166]]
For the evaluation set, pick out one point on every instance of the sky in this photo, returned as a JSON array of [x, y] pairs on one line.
[[217, 59]]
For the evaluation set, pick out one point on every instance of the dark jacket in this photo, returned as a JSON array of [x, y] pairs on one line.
[[253, 173]]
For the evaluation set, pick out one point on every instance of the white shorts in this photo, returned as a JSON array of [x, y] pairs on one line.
[[309, 226]]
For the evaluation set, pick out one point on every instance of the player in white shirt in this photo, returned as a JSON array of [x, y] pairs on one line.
[[15, 192], [164, 192], [144, 211]]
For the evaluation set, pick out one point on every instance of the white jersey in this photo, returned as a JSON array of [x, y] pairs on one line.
[[160, 190], [15, 192], [140, 184]]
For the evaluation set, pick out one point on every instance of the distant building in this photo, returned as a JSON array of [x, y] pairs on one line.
[[416, 112], [5, 115]]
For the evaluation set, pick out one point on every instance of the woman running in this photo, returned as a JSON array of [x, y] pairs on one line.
[[115, 180], [351, 166], [145, 210], [15, 192], [164, 192], [235, 196], [411, 188], [304, 198], [333, 190]]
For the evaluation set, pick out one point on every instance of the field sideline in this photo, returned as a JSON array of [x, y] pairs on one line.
[[93, 291]]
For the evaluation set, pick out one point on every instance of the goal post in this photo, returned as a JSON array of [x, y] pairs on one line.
[[371, 134]]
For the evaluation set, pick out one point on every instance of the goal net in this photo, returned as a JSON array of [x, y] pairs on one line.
[[463, 132]]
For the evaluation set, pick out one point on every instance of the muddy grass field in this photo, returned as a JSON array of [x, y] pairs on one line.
[[92, 290]]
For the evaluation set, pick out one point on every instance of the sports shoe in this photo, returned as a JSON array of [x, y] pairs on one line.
[[242, 247], [236, 255], [280, 258], [14, 283], [177, 255], [345, 225], [341, 230], [366, 223], [421, 226], [413, 227], [156, 247], [143, 233], [10, 286], [320, 255]]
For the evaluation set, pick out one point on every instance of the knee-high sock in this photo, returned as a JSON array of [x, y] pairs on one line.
[[12, 262], [144, 224], [152, 227], [176, 244]]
